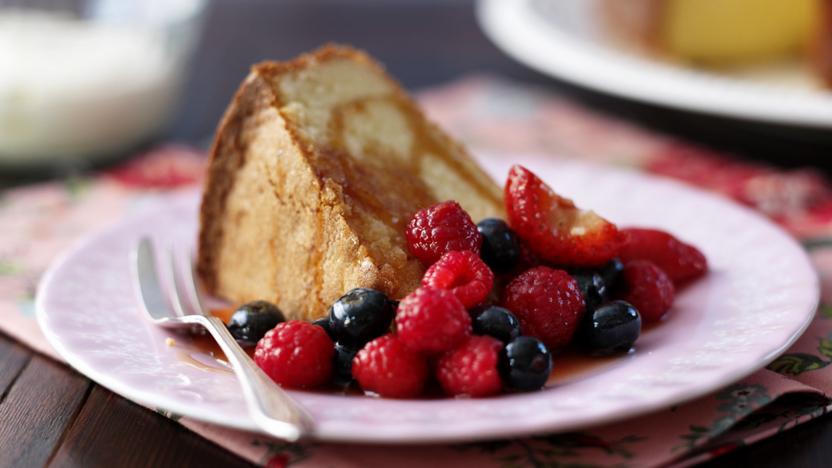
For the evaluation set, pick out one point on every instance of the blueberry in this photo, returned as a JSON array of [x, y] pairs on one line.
[[592, 287], [360, 316], [342, 364], [610, 329], [497, 322], [525, 364], [324, 323], [252, 320], [500, 247], [611, 272]]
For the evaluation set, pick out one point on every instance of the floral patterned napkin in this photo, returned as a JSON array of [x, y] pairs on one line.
[[494, 117]]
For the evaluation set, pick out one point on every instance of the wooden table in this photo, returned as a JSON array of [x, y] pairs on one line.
[[50, 414]]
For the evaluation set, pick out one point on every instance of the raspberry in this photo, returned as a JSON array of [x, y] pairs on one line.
[[439, 229], [296, 354], [431, 320], [553, 227], [464, 274], [471, 368], [648, 289], [682, 262], [385, 366], [548, 303]]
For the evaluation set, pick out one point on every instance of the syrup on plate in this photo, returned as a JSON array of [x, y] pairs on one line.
[[202, 351]]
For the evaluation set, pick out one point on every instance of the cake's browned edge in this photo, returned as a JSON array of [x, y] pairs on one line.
[[227, 154], [226, 157]]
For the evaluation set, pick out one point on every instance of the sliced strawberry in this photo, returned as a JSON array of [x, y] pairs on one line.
[[553, 227], [682, 262]]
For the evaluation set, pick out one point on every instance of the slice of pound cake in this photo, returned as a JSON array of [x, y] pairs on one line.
[[317, 166]]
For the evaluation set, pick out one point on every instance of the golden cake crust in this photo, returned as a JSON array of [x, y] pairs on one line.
[[295, 213]]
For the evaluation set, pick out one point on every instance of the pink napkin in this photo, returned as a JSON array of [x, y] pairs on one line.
[[495, 117]]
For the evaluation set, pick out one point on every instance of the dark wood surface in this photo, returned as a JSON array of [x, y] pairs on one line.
[[50, 415]]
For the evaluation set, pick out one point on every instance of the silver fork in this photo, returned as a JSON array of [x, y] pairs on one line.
[[272, 409]]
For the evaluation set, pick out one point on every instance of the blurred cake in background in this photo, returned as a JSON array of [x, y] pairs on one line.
[[728, 34]]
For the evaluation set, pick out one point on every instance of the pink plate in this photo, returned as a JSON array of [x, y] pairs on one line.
[[759, 297]]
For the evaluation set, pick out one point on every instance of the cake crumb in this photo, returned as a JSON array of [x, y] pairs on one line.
[[170, 342]]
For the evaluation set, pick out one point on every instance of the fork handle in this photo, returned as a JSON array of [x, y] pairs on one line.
[[270, 406]]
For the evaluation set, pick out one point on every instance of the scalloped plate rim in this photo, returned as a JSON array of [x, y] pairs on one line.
[[404, 432]]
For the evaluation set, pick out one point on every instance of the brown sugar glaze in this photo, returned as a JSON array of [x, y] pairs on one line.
[[202, 351], [380, 185], [391, 192]]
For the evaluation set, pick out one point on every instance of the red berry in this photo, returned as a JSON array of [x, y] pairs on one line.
[[385, 366], [471, 368], [296, 354], [439, 229], [548, 303], [648, 289], [553, 227], [528, 259], [681, 261], [464, 274], [432, 321]]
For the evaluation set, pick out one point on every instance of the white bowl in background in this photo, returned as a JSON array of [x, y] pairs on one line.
[[80, 82]]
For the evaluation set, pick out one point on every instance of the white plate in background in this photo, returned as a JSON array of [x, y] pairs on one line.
[[565, 40]]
